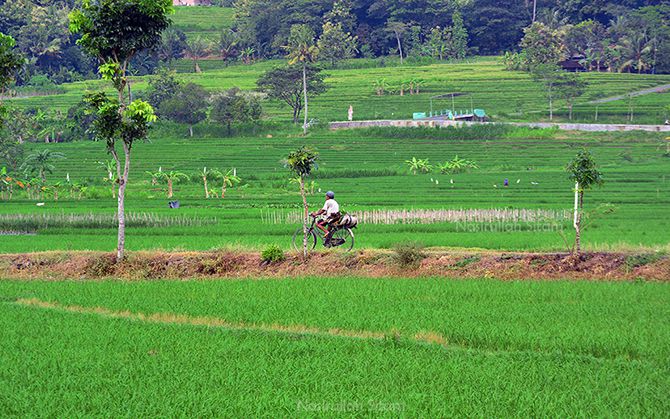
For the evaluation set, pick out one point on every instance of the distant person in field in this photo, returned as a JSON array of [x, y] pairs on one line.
[[351, 113], [331, 210]]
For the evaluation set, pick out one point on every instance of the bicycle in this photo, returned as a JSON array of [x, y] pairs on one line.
[[342, 238]]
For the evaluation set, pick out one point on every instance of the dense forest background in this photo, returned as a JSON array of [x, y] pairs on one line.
[[638, 31]]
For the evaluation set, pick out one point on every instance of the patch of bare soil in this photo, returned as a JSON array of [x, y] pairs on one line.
[[364, 263]]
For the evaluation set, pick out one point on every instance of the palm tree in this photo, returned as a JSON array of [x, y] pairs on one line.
[[635, 49], [228, 179], [302, 48], [196, 48], [380, 86], [457, 165], [228, 44], [207, 174], [40, 163], [171, 178]]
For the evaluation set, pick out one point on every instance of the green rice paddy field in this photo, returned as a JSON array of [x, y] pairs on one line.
[[335, 347], [367, 171]]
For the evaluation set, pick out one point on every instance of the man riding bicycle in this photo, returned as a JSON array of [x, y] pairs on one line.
[[331, 209]]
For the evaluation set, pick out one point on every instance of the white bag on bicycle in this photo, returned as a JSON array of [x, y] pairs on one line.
[[348, 221]]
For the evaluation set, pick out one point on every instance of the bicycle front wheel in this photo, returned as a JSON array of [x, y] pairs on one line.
[[298, 236]]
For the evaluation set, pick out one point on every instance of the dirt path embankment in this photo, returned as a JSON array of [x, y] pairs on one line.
[[366, 263]]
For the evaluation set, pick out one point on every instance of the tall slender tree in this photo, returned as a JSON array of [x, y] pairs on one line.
[[585, 173], [301, 163], [114, 31], [302, 49]]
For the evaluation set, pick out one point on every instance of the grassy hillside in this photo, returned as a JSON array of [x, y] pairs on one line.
[[302, 347], [207, 22], [503, 94]]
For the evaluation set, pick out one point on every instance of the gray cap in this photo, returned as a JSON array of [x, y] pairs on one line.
[[330, 194]]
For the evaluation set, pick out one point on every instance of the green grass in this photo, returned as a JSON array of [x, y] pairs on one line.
[[207, 22], [514, 348]]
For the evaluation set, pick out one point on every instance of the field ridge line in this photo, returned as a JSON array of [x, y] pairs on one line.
[[422, 337]]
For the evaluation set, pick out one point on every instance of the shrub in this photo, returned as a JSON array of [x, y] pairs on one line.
[[409, 254], [273, 254]]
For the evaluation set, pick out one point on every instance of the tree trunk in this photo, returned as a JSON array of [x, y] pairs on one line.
[[123, 181], [190, 130], [304, 218], [534, 10], [570, 110], [296, 111], [577, 219], [196, 66], [204, 179], [551, 108], [223, 190], [397, 37], [304, 93], [169, 182]]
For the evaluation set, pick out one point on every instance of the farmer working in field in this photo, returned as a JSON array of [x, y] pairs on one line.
[[332, 211]]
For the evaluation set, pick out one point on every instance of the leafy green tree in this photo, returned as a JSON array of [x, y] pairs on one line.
[[495, 25], [233, 106], [569, 87], [438, 43], [549, 75], [286, 84], [164, 85], [459, 37], [585, 173], [586, 39], [335, 44], [301, 163], [114, 31], [398, 29], [542, 45], [187, 106], [342, 14], [40, 163], [302, 49], [11, 61]]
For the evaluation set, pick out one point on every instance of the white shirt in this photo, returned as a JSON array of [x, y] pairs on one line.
[[331, 207]]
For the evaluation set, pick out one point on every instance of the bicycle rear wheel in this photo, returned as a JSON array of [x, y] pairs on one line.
[[344, 236], [298, 236]]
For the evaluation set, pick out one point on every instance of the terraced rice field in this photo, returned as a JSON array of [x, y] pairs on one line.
[[504, 95], [207, 22]]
